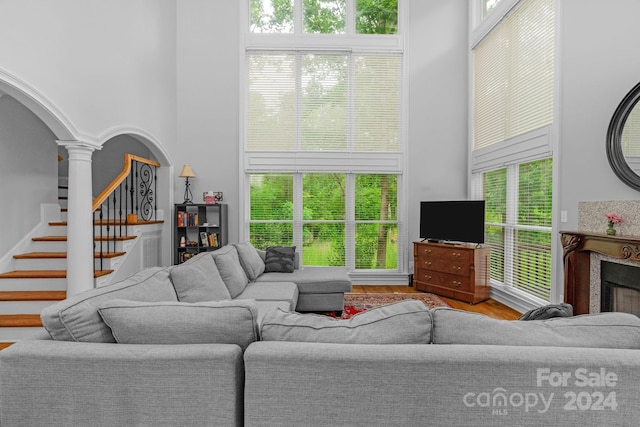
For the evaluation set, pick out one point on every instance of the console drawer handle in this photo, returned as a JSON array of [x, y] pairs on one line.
[[456, 283], [427, 263], [456, 267]]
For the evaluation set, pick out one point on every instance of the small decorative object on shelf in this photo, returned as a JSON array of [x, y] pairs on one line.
[[612, 219], [212, 197]]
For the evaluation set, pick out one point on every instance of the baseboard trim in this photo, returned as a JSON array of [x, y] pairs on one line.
[[515, 299]]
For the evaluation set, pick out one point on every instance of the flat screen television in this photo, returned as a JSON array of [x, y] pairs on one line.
[[452, 221]]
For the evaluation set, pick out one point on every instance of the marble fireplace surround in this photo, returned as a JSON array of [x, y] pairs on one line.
[[583, 254], [584, 250]]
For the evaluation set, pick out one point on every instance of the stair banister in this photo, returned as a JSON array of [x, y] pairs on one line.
[[126, 171], [138, 178]]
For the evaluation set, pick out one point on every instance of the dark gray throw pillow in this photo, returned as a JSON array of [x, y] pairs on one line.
[[548, 312], [280, 259]]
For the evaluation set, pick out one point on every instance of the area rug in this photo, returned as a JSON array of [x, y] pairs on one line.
[[357, 303]]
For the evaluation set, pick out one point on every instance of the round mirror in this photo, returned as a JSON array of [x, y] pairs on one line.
[[623, 140]]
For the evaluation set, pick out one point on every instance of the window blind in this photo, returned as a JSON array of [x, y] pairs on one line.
[[518, 225], [514, 74], [323, 102]]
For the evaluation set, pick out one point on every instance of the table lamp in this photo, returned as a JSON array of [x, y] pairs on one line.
[[187, 173]]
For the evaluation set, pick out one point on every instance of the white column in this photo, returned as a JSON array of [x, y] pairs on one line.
[[80, 251]]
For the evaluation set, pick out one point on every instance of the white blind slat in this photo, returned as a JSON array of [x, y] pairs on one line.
[[514, 73]]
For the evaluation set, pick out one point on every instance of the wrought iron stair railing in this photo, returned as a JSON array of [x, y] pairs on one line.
[[129, 199]]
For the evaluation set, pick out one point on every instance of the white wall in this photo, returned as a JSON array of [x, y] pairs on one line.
[[208, 101], [599, 64], [29, 170], [437, 67], [104, 64]]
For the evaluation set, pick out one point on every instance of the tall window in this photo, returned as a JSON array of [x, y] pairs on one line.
[[512, 155], [323, 141]]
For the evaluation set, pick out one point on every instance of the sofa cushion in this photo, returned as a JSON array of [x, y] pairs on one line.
[[276, 291], [250, 260], [220, 322], [314, 280], [280, 259], [604, 330], [405, 322], [230, 269], [296, 258], [77, 318], [199, 280]]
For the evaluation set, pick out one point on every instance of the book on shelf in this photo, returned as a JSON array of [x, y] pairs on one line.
[[187, 219], [204, 239]]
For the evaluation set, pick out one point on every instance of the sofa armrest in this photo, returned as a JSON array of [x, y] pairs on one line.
[[70, 383], [289, 383]]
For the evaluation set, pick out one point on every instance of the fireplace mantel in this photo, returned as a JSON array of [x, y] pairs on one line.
[[577, 247]]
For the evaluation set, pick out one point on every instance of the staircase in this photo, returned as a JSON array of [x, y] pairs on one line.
[[38, 276]]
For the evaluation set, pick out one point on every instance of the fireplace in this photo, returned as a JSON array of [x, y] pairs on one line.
[[619, 287], [584, 292]]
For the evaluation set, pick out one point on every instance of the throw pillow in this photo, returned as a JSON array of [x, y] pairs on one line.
[[548, 312], [250, 260], [603, 330], [199, 280], [222, 322], [77, 318], [230, 270], [405, 322], [280, 259]]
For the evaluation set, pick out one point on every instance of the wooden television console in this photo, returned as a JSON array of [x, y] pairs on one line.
[[459, 271]]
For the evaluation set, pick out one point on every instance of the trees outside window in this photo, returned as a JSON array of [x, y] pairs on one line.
[[324, 16], [342, 216]]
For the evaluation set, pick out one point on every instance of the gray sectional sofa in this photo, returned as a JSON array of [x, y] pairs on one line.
[[137, 353]]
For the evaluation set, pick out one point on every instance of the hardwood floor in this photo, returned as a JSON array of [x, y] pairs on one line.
[[490, 307]]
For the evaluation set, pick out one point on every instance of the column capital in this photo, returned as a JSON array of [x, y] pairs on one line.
[[79, 145]]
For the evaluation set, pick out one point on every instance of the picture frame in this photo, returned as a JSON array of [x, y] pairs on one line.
[[204, 239], [212, 197]]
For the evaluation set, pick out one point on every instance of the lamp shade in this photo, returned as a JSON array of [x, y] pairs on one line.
[[187, 172]]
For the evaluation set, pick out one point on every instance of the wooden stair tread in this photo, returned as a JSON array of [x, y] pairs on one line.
[[32, 295], [20, 320], [64, 238], [60, 255], [40, 255], [4, 345], [46, 274], [111, 222]]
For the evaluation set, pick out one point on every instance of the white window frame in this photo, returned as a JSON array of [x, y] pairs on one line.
[[530, 146], [349, 162]]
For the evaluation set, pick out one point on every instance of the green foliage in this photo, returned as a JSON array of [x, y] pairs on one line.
[[376, 16], [534, 193], [280, 20], [324, 217], [325, 16]]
